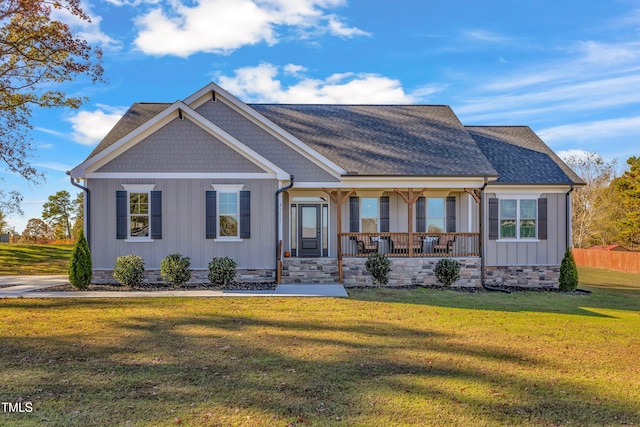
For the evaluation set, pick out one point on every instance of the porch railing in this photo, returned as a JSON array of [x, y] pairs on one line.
[[420, 244]]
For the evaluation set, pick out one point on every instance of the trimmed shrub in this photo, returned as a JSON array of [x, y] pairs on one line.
[[568, 280], [447, 271], [222, 271], [129, 270], [379, 267], [174, 269], [80, 272]]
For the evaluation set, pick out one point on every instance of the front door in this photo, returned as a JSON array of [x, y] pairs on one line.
[[309, 231]]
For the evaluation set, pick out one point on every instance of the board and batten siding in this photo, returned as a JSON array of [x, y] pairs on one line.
[[540, 252], [183, 224]]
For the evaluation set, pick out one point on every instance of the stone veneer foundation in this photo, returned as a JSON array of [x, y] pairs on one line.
[[416, 272], [197, 276]]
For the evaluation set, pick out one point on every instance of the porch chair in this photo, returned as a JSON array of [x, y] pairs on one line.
[[444, 244]]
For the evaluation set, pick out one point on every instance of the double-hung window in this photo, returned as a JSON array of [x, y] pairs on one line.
[[369, 217], [228, 214], [435, 215], [518, 218], [139, 213]]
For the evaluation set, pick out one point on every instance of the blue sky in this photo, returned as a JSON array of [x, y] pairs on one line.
[[569, 70]]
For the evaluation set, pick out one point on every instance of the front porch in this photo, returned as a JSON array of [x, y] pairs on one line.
[[410, 245]]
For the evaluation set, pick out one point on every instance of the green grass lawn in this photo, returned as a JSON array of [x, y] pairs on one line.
[[380, 358], [19, 259]]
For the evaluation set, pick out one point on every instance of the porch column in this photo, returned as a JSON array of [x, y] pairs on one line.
[[338, 199], [410, 199]]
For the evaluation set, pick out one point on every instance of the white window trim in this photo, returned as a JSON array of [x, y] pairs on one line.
[[378, 209], [138, 188], [517, 238], [227, 188]]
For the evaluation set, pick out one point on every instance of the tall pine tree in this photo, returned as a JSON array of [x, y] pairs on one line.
[[628, 187]]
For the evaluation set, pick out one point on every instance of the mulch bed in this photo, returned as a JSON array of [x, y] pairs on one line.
[[150, 287]]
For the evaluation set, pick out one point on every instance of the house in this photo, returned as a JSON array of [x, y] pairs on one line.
[[211, 176]]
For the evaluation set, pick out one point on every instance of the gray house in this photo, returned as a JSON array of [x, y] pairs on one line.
[[304, 193]]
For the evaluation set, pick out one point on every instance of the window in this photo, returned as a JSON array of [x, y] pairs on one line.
[[518, 218], [435, 215], [139, 215], [369, 215], [228, 214]]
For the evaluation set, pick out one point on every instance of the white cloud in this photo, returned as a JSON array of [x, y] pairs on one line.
[[262, 84], [484, 36], [89, 127], [222, 26], [54, 166], [596, 130]]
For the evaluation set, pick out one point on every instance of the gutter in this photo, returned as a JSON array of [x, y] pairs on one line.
[[281, 190], [87, 208], [483, 271], [568, 218]]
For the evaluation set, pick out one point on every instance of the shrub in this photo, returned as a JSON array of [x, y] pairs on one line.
[[447, 271], [568, 280], [174, 269], [80, 273], [129, 270], [222, 271], [379, 267]]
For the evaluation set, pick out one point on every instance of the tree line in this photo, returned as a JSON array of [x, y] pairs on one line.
[[62, 219], [606, 211]]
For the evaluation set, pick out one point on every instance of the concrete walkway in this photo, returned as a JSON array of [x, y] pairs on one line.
[[24, 287]]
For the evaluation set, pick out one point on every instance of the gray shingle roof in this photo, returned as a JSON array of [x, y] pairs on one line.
[[384, 139], [521, 157]]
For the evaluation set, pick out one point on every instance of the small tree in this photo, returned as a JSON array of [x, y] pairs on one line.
[[174, 269], [222, 271], [447, 271], [129, 270], [568, 280], [379, 267], [80, 273]]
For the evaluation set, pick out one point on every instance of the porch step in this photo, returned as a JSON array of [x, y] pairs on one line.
[[309, 270]]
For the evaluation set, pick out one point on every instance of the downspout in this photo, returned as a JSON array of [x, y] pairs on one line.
[[87, 208], [483, 268], [568, 219], [278, 192]]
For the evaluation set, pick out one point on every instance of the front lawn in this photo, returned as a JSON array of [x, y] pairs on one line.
[[19, 259], [380, 358]]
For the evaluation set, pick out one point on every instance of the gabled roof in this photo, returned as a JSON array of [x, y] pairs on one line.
[[521, 157], [137, 115], [419, 140]]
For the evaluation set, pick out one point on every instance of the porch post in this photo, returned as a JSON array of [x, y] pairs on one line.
[[338, 199], [410, 200]]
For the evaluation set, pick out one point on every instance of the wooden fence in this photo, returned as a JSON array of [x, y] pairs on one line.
[[628, 262]]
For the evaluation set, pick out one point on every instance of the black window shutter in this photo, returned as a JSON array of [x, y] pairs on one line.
[[493, 219], [121, 214], [210, 214], [156, 214], [421, 215], [451, 214], [384, 214], [245, 214], [354, 214], [542, 219]]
